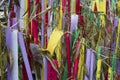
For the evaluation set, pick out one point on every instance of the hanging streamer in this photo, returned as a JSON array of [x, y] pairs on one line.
[[24, 54]]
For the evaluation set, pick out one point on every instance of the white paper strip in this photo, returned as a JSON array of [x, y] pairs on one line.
[[22, 11], [14, 45], [74, 22]]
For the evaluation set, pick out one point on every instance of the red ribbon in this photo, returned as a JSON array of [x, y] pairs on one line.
[[76, 62], [25, 76], [35, 31], [78, 7], [67, 38], [52, 74], [68, 54], [46, 27], [29, 24], [63, 5], [12, 14]]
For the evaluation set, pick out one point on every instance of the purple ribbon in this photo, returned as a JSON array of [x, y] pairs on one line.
[[8, 73], [88, 62], [74, 22], [118, 67], [14, 49], [42, 43], [8, 38], [14, 20], [92, 65], [42, 27], [24, 55], [115, 21]]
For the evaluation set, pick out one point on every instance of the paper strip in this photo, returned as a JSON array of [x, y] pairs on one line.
[[59, 46], [92, 65], [26, 16], [22, 11], [8, 73], [81, 61], [78, 6], [68, 53], [115, 23], [45, 68], [8, 38], [65, 73], [42, 27], [14, 20], [24, 55], [35, 31], [98, 72], [75, 70], [52, 74], [74, 22], [76, 62], [114, 61], [118, 68], [88, 61], [102, 6], [14, 49], [110, 73], [54, 39]]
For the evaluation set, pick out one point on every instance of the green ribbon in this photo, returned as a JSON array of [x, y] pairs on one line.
[[113, 5], [75, 36], [114, 58], [99, 52], [98, 21], [90, 16], [65, 73], [54, 14]]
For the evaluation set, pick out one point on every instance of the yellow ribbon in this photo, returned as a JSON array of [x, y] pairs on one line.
[[73, 6], [110, 73], [118, 4], [42, 73], [102, 18], [117, 40], [99, 38], [54, 40], [98, 69], [26, 15], [81, 62], [59, 46]]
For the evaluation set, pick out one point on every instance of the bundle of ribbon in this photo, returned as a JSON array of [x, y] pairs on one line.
[[61, 40]]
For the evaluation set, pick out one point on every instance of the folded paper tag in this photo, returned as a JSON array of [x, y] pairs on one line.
[[99, 5], [102, 6], [95, 5], [54, 39]]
